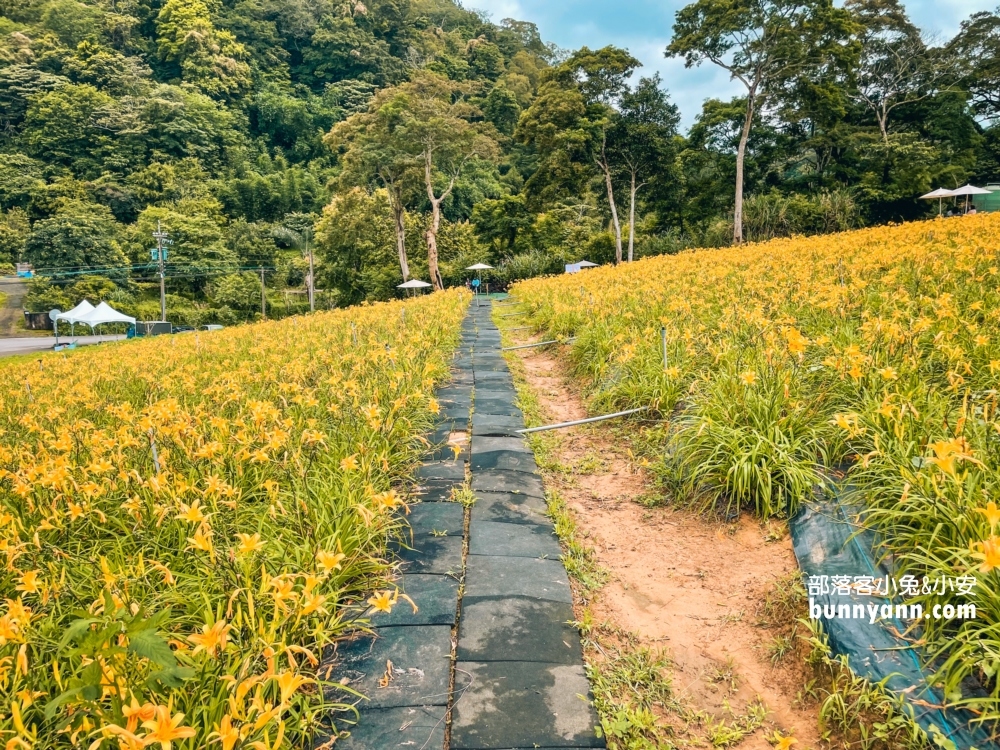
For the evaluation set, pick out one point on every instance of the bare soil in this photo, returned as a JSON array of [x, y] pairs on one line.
[[680, 581]]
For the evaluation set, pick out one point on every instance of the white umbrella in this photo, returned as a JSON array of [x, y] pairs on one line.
[[939, 194], [413, 284], [968, 190], [479, 268], [586, 264]]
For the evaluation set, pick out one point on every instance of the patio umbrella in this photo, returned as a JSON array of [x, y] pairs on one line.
[[479, 268], [940, 193], [968, 190], [413, 284], [587, 264]]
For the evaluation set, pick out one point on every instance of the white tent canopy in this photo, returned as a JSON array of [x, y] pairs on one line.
[[413, 284], [479, 267], [586, 264], [104, 313], [76, 314]]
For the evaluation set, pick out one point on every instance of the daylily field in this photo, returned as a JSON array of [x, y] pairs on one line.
[[874, 352], [187, 522]]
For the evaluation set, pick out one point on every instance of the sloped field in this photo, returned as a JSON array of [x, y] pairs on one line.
[[187, 521], [874, 352]]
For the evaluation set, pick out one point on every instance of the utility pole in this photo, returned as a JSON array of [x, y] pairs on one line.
[[312, 287], [263, 296], [160, 236]]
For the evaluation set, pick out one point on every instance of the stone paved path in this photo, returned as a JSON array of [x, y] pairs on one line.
[[488, 662]]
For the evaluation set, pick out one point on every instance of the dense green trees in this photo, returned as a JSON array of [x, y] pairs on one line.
[[403, 124]]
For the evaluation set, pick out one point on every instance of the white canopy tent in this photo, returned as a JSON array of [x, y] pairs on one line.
[[104, 313], [72, 317], [587, 264]]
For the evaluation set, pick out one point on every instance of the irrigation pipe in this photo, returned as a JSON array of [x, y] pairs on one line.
[[540, 343], [561, 425]]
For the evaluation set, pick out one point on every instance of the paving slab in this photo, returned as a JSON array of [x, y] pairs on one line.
[[454, 413], [518, 629], [441, 470], [506, 507], [504, 460], [522, 704], [487, 444], [499, 480], [535, 578], [436, 597], [427, 519], [389, 728], [435, 490], [440, 555], [491, 425], [421, 657], [502, 407], [513, 540]]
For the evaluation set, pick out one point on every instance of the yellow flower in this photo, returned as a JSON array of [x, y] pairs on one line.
[[312, 603], [349, 464], [164, 729], [191, 513], [134, 714], [288, 683], [784, 743], [991, 512], [889, 373], [749, 377], [225, 733], [329, 561], [989, 552], [202, 540], [383, 601], [212, 639], [249, 543], [29, 582]]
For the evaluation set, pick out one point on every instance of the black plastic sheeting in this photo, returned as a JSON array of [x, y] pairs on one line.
[[828, 542]]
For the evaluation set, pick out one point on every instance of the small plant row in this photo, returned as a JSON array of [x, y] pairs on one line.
[[777, 366], [188, 524]]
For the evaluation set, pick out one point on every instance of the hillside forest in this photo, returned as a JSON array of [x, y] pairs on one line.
[[398, 139]]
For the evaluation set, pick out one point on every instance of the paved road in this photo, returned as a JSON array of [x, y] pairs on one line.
[[11, 346]]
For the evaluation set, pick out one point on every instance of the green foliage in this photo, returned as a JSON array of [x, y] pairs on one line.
[[79, 236], [238, 291]]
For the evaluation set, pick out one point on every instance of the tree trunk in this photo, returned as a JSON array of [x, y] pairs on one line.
[[400, 216], [741, 153], [432, 247], [606, 168], [432, 230], [631, 218]]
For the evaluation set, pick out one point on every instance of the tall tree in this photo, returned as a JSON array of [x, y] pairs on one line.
[[601, 77], [444, 130], [895, 67], [641, 140], [763, 44], [372, 149]]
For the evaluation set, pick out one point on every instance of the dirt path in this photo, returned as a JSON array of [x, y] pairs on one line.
[[12, 293], [680, 582]]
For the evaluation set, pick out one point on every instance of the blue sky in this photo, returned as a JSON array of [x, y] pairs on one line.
[[643, 27]]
